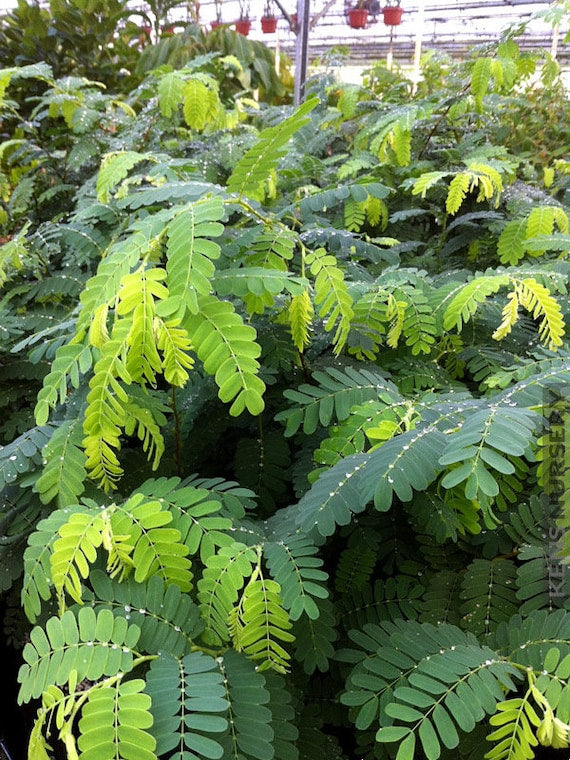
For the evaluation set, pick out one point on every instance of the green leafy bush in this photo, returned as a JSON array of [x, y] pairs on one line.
[[276, 393]]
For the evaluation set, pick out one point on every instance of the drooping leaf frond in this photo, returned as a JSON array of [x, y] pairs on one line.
[[105, 415], [482, 446], [137, 295], [537, 300], [23, 454], [156, 549], [196, 514], [218, 589], [446, 692], [488, 594], [249, 734], [188, 705], [348, 486], [37, 584], [70, 361], [259, 626], [229, 351], [64, 472], [190, 254], [114, 169], [301, 314], [458, 188], [114, 720], [295, 567], [315, 638], [285, 733], [73, 552], [331, 295], [464, 305]]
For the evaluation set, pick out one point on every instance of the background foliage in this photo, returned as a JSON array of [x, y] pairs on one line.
[[277, 393]]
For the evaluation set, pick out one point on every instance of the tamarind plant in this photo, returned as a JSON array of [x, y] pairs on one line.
[[276, 391]]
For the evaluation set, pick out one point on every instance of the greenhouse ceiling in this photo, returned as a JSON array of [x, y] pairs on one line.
[[451, 26]]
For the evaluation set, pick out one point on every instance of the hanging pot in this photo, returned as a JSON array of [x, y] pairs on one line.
[[243, 26], [392, 15], [268, 24], [294, 22], [357, 17], [216, 24]]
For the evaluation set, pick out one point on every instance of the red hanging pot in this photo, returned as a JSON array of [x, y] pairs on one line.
[[294, 22], [243, 26], [357, 17], [216, 24], [392, 15], [268, 24]]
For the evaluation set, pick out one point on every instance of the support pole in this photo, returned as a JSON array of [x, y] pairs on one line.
[[416, 72], [390, 55], [555, 36], [277, 54], [302, 49]]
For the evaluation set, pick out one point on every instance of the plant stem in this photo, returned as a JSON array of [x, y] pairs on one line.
[[177, 434]]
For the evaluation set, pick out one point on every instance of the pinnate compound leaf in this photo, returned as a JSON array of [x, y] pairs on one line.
[[258, 625], [74, 647], [250, 734], [189, 706], [190, 254], [285, 733], [331, 397], [168, 619], [64, 472], [74, 552], [229, 351], [480, 79], [114, 169], [332, 299], [516, 720], [465, 303], [315, 637], [106, 415], [114, 722], [510, 247], [24, 453], [70, 362], [170, 93], [293, 563], [218, 589], [156, 549], [37, 583], [253, 169]]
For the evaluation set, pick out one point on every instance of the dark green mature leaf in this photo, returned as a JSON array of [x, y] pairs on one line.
[[336, 393], [64, 473], [489, 594], [250, 733], [188, 705], [168, 619], [23, 454], [293, 564]]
